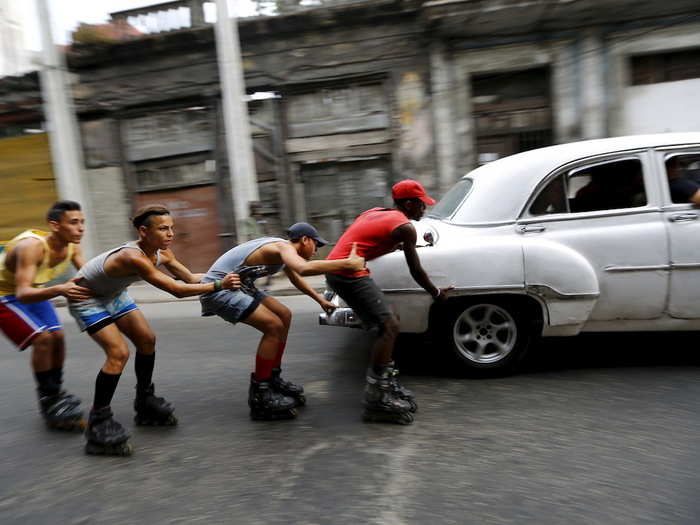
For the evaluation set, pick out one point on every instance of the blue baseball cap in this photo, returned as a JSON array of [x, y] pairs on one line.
[[304, 229]]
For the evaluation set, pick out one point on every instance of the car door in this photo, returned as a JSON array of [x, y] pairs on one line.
[[683, 226], [606, 209]]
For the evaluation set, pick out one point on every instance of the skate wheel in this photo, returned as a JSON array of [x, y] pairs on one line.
[[171, 421], [78, 425], [400, 418], [121, 449], [273, 416], [414, 405], [300, 400]]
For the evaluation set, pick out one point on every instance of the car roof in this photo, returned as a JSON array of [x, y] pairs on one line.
[[502, 186]]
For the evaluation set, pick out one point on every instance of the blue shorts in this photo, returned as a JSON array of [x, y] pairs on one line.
[[231, 305], [22, 322], [96, 313]]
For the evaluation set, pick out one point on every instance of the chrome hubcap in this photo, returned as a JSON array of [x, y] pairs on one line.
[[485, 333]]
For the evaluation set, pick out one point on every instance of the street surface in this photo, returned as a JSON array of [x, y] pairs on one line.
[[582, 435]]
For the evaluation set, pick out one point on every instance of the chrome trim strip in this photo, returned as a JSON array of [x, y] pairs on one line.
[[541, 290], [684, 266], [477, 289], [650, 268], [546, 291], [582, 215]]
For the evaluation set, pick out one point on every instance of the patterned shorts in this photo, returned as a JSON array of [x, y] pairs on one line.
[[96, 313]]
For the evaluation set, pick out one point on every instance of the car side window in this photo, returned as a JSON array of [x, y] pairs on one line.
[[611, 185], [602, 186], [683, 175]]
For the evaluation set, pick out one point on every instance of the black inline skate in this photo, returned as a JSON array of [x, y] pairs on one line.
[[105, 436], [380, 401], [287, 388], [151, 410], [62, 411], [267, 404], [400, 391]]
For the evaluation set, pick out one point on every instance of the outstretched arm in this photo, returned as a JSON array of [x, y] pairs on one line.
[[179, 270], [149, 273], [303, 267], [406, 234], [303, 286]]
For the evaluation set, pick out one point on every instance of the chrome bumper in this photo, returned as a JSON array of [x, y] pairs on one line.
[[340, 316]]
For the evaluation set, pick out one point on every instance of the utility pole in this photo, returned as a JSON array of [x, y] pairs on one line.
[[66, 150], [239, 147]]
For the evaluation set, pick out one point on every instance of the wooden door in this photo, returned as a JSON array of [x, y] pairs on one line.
[[195, 211]]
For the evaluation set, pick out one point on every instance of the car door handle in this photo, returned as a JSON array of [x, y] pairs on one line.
[[683, 217], [535, 228]]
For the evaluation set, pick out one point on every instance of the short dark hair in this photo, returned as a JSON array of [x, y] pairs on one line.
[[58, 208], [143, 215]]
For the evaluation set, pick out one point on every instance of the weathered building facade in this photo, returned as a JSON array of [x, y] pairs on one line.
[[370, 93]]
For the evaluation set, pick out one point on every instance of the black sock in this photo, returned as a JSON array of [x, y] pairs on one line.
[[143, 365], [57, 377], [45, 383], [105, 385]]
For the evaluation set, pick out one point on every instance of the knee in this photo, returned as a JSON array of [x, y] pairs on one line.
[[118, 356], [147, 340], [43, 341], [391, 328], [286, 317], [58, 339], [275, 328]]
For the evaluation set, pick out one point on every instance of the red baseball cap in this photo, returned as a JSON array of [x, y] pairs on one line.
[[411, 189]]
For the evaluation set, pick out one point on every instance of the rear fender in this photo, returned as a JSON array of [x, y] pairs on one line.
[[565, 282]]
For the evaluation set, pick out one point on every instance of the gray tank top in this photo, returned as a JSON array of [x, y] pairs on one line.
[[104, 286], [234, 259]]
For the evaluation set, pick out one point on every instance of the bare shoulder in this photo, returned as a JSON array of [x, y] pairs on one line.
[[129, 258], [29, 247], [269, 253]]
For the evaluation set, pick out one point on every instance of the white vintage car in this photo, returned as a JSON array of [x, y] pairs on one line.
[[553, 242]]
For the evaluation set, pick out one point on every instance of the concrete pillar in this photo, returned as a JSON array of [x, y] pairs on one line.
[[239, 147], [565, 93], [593, 102], [64, 137], [443, 111]]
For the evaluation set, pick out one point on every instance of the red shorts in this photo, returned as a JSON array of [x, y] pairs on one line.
[[22, 322]]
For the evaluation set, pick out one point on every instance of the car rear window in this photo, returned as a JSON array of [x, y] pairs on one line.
[[452, 199]]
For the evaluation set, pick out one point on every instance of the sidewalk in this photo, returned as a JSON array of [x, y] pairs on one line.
[[142, 292]]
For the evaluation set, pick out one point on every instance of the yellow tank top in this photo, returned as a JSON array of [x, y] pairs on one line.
[[44, 272]]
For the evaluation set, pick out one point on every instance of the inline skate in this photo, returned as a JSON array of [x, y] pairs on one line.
[[267, 404], [152, 410], [105, 436], [287, 388]]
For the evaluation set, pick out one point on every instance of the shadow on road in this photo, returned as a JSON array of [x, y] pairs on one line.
[[420, 356]]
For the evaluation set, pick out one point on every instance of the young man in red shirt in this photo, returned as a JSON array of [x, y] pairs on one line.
[[377, 232]]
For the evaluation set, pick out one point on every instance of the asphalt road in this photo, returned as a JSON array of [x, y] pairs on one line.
[[598, 429]]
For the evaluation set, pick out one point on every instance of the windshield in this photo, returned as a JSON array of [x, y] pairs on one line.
[[452, 199]]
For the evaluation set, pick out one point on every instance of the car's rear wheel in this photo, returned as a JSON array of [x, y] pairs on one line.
[[486, 335]]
